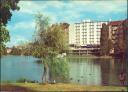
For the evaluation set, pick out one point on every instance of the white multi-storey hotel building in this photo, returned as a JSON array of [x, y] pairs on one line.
[[85, 33]]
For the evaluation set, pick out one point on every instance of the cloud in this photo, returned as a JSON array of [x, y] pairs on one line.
[[98, 6], [101, 6], [55, 4], [16, 40], [32, 7], [72, 9], [24, 25], [29, 7]]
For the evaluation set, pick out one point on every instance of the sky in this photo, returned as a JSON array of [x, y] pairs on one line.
[[22, 24]]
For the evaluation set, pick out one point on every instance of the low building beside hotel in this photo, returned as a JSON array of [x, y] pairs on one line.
[[113, 38]]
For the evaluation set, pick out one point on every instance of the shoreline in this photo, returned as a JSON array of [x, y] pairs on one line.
[[74, 56], [89, 56], [35, 87]]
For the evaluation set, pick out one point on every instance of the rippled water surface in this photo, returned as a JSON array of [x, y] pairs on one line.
[[87, 71]]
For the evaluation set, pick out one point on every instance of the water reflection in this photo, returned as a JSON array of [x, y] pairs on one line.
[[87, 71], [122, 71], [97, 71], [18, 67]]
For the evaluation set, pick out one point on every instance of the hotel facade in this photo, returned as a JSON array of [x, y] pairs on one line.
[[85, 33]]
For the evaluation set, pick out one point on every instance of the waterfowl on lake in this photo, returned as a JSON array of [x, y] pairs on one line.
[[82, 76], [78, 80], [71, 78]]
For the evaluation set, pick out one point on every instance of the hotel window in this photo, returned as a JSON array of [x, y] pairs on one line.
[[98, 28], [98, 41]]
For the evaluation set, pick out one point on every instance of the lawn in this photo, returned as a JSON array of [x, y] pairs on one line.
[[35, 87]]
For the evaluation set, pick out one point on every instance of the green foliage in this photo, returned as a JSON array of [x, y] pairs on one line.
[[49, 40], [4, 37], [6, 8], [59, 69], [16, 51], [54, 39], [42, 22]]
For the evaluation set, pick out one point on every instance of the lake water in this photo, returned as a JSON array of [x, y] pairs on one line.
[[84, 71]]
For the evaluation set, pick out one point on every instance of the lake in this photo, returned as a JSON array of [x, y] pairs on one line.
[[84, 71]]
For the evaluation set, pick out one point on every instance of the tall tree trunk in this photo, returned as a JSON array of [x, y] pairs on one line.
[[45, 77]]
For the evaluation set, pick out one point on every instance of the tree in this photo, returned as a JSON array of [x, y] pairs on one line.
[[125, 29], [16, 51], [50, 37], [104, 40], [4, 37], [50, 41], [65, 27], [6, 8]]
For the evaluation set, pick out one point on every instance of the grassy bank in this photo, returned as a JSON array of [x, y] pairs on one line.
[[35, 87]]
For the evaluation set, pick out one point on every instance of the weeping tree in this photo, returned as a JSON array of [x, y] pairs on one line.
[[50, 41]]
